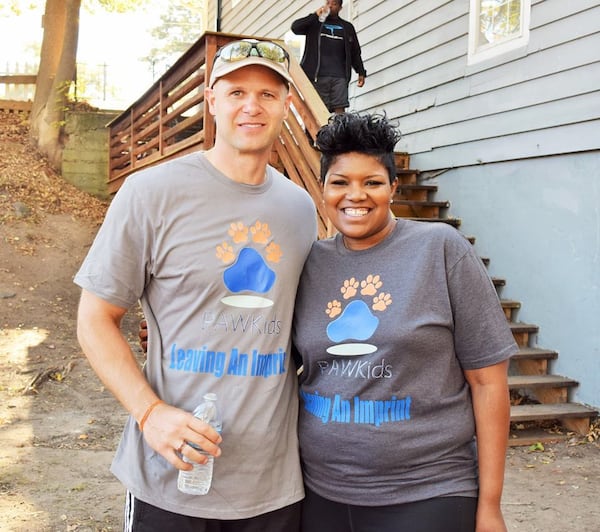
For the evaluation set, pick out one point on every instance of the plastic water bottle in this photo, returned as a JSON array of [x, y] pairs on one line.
[[324, 14], [198, 480]]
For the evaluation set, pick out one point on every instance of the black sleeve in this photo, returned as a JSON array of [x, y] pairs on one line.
[[302, 25], [356, 58]]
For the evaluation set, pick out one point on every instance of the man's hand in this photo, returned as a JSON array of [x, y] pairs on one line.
[[361, 81], [168, 431]]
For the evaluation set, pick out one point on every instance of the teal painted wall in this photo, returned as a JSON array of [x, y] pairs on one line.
[[538, 220]]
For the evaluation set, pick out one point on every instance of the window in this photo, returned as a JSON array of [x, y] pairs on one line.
[[496, 27]]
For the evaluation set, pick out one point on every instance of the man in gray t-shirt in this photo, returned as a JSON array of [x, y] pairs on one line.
[[212, 244]]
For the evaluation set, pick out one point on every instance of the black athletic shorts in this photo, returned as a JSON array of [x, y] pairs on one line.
[[333, 92], [143, 517]]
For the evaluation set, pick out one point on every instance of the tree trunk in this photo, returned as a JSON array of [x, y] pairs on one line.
[[55, 76], [54, 21]]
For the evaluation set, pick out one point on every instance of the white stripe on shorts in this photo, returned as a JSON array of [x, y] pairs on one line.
[[128, 517]]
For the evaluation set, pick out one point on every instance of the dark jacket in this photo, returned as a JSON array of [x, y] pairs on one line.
[[311, 27]]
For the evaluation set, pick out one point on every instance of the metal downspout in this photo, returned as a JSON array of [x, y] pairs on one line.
[[219, 11]]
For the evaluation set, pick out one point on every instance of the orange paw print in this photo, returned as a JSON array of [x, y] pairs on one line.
[[370, 285], [260, 233], [274, 252], [382, 301], [238, 232], [333, 308], [225, 253], [350, 287]]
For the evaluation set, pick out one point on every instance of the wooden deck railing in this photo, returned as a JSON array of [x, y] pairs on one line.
[[172, 119], [18, 92]]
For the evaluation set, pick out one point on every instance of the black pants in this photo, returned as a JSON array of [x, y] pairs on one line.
[[143, 517], [443, 514]]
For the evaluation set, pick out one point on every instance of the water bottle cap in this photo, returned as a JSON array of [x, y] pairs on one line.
[[210, 396]]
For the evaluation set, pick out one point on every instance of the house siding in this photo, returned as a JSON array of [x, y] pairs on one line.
[[512, 142]]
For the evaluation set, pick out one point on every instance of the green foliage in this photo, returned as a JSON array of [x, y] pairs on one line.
[[16, 7], [114, 6], [181, 25]]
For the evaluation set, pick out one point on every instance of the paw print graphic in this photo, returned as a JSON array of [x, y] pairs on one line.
[[260, 232], [355, 319], [349, 288], [225, 253], [381, 301], [238, 232], [333, 308], [247, 254], [273, 252], [370, 285]]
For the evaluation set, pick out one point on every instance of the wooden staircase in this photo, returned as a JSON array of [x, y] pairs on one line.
[[537, 396]]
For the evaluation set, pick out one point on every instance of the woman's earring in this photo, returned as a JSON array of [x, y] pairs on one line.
[[391, 200]]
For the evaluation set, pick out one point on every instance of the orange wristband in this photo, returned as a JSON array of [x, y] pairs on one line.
[[147, 413]]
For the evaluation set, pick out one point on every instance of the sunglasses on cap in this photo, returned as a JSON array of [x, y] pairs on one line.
[[239, 50]]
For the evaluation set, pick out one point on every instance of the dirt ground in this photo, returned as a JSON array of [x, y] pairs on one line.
[[59, 426]]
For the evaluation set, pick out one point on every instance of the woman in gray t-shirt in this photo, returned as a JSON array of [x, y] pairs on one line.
[[404, 349]]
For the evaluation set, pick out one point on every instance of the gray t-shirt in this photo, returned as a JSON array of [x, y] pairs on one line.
[[215, 264], [384, 334]]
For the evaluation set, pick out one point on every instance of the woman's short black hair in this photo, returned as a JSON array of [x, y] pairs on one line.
[[371, 134]]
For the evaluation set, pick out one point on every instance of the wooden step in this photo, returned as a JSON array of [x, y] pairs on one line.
[[530, 353], [547, 389], [403, 208], [539, 381], [454, 222], [406, 176], [415, 192], [573, 416], [522, 332], [401, 159], [533, 360], [498, 282], [509, 306]]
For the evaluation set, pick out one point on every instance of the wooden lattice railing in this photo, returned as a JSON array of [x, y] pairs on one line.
[[172, 119]]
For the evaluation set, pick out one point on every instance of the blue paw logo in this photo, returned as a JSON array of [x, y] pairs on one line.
[[248, 271], [356, 322]]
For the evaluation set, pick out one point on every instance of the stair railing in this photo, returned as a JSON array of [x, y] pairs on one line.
[[172, 119]]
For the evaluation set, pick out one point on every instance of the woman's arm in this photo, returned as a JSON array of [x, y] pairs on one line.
[[491, 406]]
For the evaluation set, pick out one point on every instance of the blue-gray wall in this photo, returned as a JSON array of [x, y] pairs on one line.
[[538, 221]]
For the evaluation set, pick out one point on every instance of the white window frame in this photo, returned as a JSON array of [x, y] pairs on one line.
[[488, 51]]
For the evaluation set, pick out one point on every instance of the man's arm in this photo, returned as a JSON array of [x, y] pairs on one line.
[[491, 406], [356, 56], [165, 427], [302, 25]]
